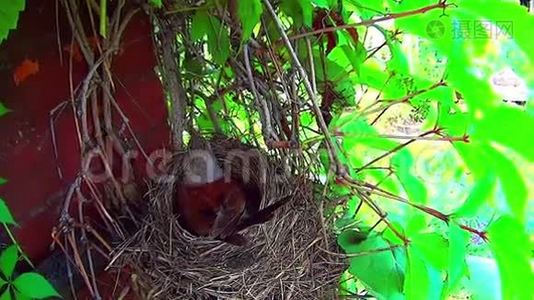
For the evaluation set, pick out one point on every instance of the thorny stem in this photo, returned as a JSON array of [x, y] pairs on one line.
[[431, 211], [393, 151], [441, 4], [390, 103]]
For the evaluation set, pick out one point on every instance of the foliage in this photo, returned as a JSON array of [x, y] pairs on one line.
[[429, 60], [9, 10], [24, 286]]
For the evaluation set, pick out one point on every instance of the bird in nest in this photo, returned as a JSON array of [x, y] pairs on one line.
[[212, 205]]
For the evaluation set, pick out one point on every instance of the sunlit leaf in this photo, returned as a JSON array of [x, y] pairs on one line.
[[325, 3], [480, 193], [386, 279], [249, 13], [512, 184], [478, 159], [355, 56], [422, 280], [432, 248], [347, 283], [509, 127], [5, 214], [499, 12], [458, 240], [34, 285], [8, 260], [417, 283], [511, 249], [402, 162], [366, 9]]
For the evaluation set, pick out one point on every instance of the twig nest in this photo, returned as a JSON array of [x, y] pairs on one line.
[[289, 257]]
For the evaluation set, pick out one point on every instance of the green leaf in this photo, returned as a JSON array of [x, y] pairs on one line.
[[402, 163], [347, 284], [5, 214], [422, 280], [517, 134], [218, 41], [480, 193], [480, 162], [199, 25], [307, 11], [357, 131], [3, 110], [496, 11], [458, 241], [218, 36], [511, 249], [9, 12], [20, 296], [355, 56], [155, 3], [325, 3], [377, 267], [6, 295], [512, 184], [417, 283], [34, 285], [249, 13], [3, 181], [366, 9], [432, 248], [301, 11], [8, 260]]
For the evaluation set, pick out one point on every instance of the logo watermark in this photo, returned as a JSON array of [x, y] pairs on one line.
[[471, 29]]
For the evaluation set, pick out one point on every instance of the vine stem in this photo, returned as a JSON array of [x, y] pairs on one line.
[[422, 10], [340, 169], [10, 234]]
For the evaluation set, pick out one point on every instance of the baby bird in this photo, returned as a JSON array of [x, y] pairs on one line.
[[214, 206]]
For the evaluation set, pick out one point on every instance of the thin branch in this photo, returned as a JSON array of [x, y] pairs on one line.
[[313, 97], [440, 5]]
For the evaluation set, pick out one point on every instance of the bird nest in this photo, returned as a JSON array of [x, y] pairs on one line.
[[288, 257]]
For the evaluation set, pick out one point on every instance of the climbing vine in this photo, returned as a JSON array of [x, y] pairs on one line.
[[390, 108], [392, 103]]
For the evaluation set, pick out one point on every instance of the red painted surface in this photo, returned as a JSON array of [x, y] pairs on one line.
[[34, 192]]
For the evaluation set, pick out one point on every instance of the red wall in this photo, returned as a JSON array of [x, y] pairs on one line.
[[34, 191]]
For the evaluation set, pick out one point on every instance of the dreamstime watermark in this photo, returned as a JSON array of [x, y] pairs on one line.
[[163, 165], [471, 29]]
